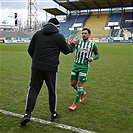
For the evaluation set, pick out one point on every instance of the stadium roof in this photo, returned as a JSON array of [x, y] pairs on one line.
[[54, 11], [93, 4]]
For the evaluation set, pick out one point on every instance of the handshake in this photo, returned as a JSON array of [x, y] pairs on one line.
[[72, 40]]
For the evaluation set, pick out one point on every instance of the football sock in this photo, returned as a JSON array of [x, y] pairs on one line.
[[79, 93]]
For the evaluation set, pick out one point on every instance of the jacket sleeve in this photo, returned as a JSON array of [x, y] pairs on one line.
[[64, 47], [31, 47]]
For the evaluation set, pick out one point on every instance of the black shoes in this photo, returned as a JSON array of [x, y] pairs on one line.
[[55, 117], [25, 119]]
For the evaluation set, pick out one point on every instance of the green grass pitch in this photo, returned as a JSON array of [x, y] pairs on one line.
[[108, 105]]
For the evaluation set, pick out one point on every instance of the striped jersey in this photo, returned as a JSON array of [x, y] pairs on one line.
[[84, 51]]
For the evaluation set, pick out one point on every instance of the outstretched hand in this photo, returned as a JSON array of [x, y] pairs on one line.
[[72, 40], [75, 41]]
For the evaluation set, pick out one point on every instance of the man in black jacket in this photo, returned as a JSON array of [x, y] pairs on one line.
[[44, 49]]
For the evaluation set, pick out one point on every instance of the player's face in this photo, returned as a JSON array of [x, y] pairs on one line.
[[85, 35]]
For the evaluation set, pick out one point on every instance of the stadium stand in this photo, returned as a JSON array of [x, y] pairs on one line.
[[127, 21], [97, 20], [70, 21], [82, 18], [19, 36], [115, 17], [97, 24], [15, 34], [64, 26], [114, 32]]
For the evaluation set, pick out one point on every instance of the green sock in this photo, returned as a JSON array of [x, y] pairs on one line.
[[79, 93]]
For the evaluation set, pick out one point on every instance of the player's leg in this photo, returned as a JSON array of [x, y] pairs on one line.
[[74, 77], [79, 92], [74, 84], [82, 77], [79, 86]]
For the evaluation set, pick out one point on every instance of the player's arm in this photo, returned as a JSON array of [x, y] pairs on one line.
[[96, 53], [69, 41], [66, 47]]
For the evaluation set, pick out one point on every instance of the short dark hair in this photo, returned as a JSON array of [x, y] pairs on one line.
[[87, 30]]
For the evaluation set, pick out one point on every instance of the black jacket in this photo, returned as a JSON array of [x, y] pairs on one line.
[[45, 47]]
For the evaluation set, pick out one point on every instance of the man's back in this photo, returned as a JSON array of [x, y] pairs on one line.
[[45, 48]]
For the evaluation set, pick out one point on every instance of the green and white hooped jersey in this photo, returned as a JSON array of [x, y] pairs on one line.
[[84, 51]]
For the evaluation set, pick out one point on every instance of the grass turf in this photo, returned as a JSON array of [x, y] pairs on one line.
[[108, 106]]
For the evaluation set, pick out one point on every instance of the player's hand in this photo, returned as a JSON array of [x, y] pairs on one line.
[[75, 41], [69, 41], [90, 59], [72, 40]]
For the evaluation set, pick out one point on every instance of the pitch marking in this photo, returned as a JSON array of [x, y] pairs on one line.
[[62, 126]]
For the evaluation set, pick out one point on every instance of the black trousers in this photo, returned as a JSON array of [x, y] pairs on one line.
[[37, 78]]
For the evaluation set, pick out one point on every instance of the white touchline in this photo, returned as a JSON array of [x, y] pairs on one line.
[[62, 126]]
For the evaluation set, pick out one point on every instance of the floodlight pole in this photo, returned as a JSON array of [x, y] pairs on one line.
[[32, 19]]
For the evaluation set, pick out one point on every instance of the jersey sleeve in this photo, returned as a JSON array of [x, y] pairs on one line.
[[96, 53]]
